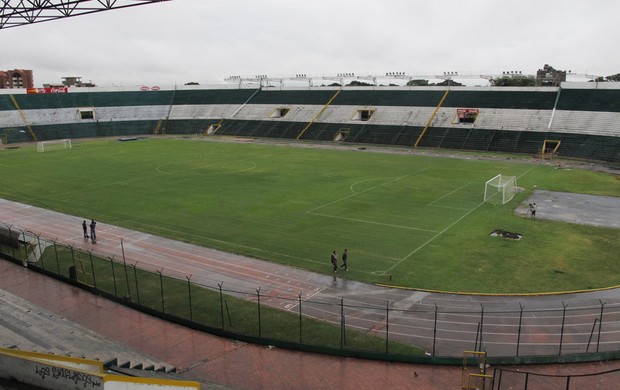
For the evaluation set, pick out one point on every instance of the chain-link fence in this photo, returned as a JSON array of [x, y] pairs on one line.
[[512, 379], [383, 329]]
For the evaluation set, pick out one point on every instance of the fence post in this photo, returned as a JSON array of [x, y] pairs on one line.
[[92, 269], [113, 275], [519, 330], [41, 250], [127, 275], [161, 289], [435, 329], [135, 276], [72, 255], [221, 303], [498, 377], [600, 325], [591, 334], [342, 336], [11, 238], [258, 300], [300, 322], [387, 325], [189, 295], [481, 325], [562, 328], [57, 261], [25, 259]]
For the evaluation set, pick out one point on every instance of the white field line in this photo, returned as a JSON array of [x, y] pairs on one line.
[[434, 237], [526, 172], [372, 222], [366, 190], [452, 208], [449, 193], [444, 230]]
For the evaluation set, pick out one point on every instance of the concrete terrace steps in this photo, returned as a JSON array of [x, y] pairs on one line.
[[27, 327]]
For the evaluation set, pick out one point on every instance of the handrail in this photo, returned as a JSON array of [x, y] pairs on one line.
[[21, 113], [428, 124], [318, 114]]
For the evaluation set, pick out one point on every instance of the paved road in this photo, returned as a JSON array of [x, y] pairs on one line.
[[461, 321]]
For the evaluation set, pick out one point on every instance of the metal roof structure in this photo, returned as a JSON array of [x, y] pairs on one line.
[[15, 13]]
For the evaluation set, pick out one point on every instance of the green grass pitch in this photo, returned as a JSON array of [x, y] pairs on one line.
[[407, 220]]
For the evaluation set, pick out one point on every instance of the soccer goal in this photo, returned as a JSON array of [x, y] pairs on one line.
[[500, 189], [56, 144]]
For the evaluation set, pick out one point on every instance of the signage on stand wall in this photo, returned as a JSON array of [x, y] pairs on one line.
[[47, 90]]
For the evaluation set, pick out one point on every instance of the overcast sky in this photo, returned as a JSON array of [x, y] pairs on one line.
[[206, 41]]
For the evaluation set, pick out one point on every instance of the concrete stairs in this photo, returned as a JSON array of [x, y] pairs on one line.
[[27, 327]]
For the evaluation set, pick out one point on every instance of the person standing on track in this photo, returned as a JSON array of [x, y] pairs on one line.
[[345, 256], [93, 234], [85, 228], [334, 259]]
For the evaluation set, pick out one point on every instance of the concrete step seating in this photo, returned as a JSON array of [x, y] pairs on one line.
[[27, 327], [586, 122]]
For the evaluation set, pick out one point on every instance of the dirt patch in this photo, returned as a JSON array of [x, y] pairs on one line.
[[582, 209], [505, 234]]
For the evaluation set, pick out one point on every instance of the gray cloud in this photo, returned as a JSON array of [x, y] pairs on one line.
[[205, 41]]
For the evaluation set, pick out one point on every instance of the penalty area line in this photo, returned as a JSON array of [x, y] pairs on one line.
[[366, 190], [372, 222], [449, 193], [434, 237]]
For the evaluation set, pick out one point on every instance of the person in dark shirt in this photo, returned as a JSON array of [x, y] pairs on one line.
[[345, 256], [93, 234], [334, 260]]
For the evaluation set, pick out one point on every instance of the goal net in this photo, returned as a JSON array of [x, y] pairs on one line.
[[57, 144], [500, 189]]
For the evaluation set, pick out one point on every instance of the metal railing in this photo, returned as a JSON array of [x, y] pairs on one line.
[[348, 327]]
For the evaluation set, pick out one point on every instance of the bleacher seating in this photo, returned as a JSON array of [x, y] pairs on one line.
[[587, 122], [297, 97], [10, 119], [516, 120], [583, 117], [202, 111], [478, 139], [131, 113]]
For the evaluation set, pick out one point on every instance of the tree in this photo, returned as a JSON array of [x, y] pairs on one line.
[[614, 77], [192, 83], [356, 83], [514, 81], [449, 82], [417, 83]]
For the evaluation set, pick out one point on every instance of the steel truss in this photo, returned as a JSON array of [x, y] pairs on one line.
[[15, 13]]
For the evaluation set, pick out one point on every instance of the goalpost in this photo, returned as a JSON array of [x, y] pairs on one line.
[[56, 144], [500, 189]]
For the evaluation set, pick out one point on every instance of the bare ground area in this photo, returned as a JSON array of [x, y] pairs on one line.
[[574, 208]]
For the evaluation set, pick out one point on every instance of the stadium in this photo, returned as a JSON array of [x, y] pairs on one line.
[[258, 234], [318, 138]]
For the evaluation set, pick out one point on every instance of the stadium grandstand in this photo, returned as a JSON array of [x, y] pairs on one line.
[[575, 120]]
